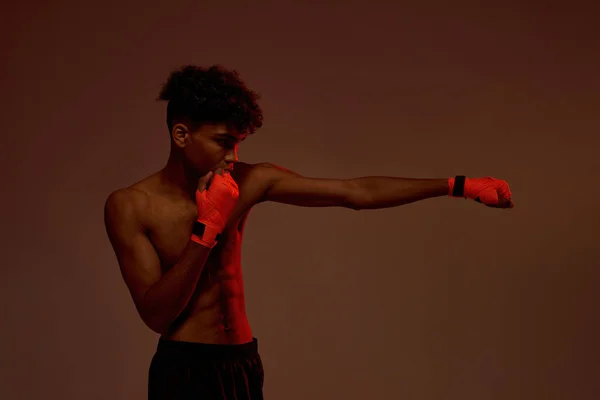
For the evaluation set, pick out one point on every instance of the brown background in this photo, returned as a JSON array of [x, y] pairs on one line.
[[444, 299]]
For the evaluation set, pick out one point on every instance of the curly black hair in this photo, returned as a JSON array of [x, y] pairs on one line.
[[211, 95]]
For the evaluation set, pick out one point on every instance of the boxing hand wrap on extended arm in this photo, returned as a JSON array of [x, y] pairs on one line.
[[215, 204], [483, 190], [456, 186]]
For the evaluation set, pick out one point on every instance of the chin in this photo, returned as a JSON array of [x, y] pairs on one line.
[[200, 172]]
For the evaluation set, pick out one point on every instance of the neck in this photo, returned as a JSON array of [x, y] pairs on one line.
[[177, 178]]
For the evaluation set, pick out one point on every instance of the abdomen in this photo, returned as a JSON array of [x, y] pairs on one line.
[[216, 312]]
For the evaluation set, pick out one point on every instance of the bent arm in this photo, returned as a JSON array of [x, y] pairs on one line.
[[159, 298]]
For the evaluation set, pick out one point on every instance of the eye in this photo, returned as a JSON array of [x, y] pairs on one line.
[[226, 143]]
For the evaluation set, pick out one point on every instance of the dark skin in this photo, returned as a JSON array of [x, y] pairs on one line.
[[187, 292]]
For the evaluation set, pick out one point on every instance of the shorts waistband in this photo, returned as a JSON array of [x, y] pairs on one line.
[[206, 350]]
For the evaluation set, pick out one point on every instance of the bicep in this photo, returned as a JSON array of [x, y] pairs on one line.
[[288, 187], [138, 260]]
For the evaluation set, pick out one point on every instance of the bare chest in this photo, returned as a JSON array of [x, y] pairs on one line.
[[171, 227]]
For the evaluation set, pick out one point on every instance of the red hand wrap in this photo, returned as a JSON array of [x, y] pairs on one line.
[[484, 190], [215, 205]]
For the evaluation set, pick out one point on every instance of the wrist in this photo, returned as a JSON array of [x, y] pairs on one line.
[[205, 234], [456, 186]]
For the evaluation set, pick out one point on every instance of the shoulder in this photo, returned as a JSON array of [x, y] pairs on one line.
[[131, 201], [255, 179], [260, 173], [125, 206]]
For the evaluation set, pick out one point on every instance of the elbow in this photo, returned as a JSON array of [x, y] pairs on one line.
[[155, 322], [357, 198], [151, 314], [353, 205], [161, 329], [157, 326]]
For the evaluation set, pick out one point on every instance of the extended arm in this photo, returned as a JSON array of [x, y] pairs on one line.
[[374, 192], [383, 192]]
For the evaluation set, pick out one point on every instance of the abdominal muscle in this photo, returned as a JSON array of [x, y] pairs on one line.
[[216, 312]]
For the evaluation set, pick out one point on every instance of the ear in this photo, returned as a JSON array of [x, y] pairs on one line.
[[180, 135]]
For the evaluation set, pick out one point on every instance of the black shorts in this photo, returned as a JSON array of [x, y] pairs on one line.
[[190, 371]]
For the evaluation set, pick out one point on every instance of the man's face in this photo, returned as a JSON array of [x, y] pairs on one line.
[[210, 147]]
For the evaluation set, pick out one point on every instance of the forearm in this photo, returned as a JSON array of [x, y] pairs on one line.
[[168, 297], [383, 192]]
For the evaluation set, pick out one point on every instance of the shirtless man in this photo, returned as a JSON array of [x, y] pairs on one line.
[[177, 234]]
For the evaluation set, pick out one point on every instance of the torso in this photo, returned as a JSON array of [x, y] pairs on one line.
[[216, 313]]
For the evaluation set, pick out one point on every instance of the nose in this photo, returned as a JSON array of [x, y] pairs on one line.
[[232, 155]]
